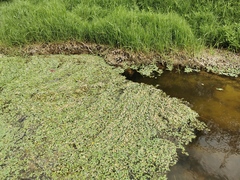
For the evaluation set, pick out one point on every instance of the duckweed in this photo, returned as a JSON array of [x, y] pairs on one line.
[[75, 117]]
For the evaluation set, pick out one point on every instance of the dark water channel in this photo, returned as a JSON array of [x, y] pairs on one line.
[[214, 154]]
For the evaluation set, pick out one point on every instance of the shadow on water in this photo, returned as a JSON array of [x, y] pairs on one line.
[[214, 154]]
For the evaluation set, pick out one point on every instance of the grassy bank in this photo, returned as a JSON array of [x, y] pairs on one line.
[[66, 117], [137, 25]]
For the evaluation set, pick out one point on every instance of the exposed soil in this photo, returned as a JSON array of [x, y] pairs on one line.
[[223, 60]]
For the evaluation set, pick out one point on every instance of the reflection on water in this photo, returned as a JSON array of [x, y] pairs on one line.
[[214, 154]]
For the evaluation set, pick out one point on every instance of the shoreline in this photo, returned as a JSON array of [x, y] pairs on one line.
[[218, 61]]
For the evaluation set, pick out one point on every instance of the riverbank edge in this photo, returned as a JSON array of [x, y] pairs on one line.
[[218, 61]]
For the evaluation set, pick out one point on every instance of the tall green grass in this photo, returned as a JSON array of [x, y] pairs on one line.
[[142, 30], [46, 22], [157, 25], [215, 23]]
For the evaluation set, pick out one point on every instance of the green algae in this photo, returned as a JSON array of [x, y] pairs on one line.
[[148, 70], [75, 117]]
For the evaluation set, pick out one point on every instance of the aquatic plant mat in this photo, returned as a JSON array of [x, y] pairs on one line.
[[75, 117]]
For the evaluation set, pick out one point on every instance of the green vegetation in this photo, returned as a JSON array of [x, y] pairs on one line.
[[145, 25], [75, 117]]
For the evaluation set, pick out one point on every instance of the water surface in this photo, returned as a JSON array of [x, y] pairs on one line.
[[214, 154]]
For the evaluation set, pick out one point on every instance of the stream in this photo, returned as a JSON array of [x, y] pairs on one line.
[[214, 154]]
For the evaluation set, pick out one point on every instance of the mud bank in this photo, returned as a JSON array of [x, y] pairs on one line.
[[212, 60]]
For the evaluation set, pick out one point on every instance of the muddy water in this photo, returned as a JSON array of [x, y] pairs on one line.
[[214, 154]]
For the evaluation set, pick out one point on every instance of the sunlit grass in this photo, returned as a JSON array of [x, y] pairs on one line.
[[145, 25]]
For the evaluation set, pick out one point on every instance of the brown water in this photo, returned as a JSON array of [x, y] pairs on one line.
[[214, 154]]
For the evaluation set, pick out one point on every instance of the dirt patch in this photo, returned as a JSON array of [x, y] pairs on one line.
[[112, 55], [213, 60]]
